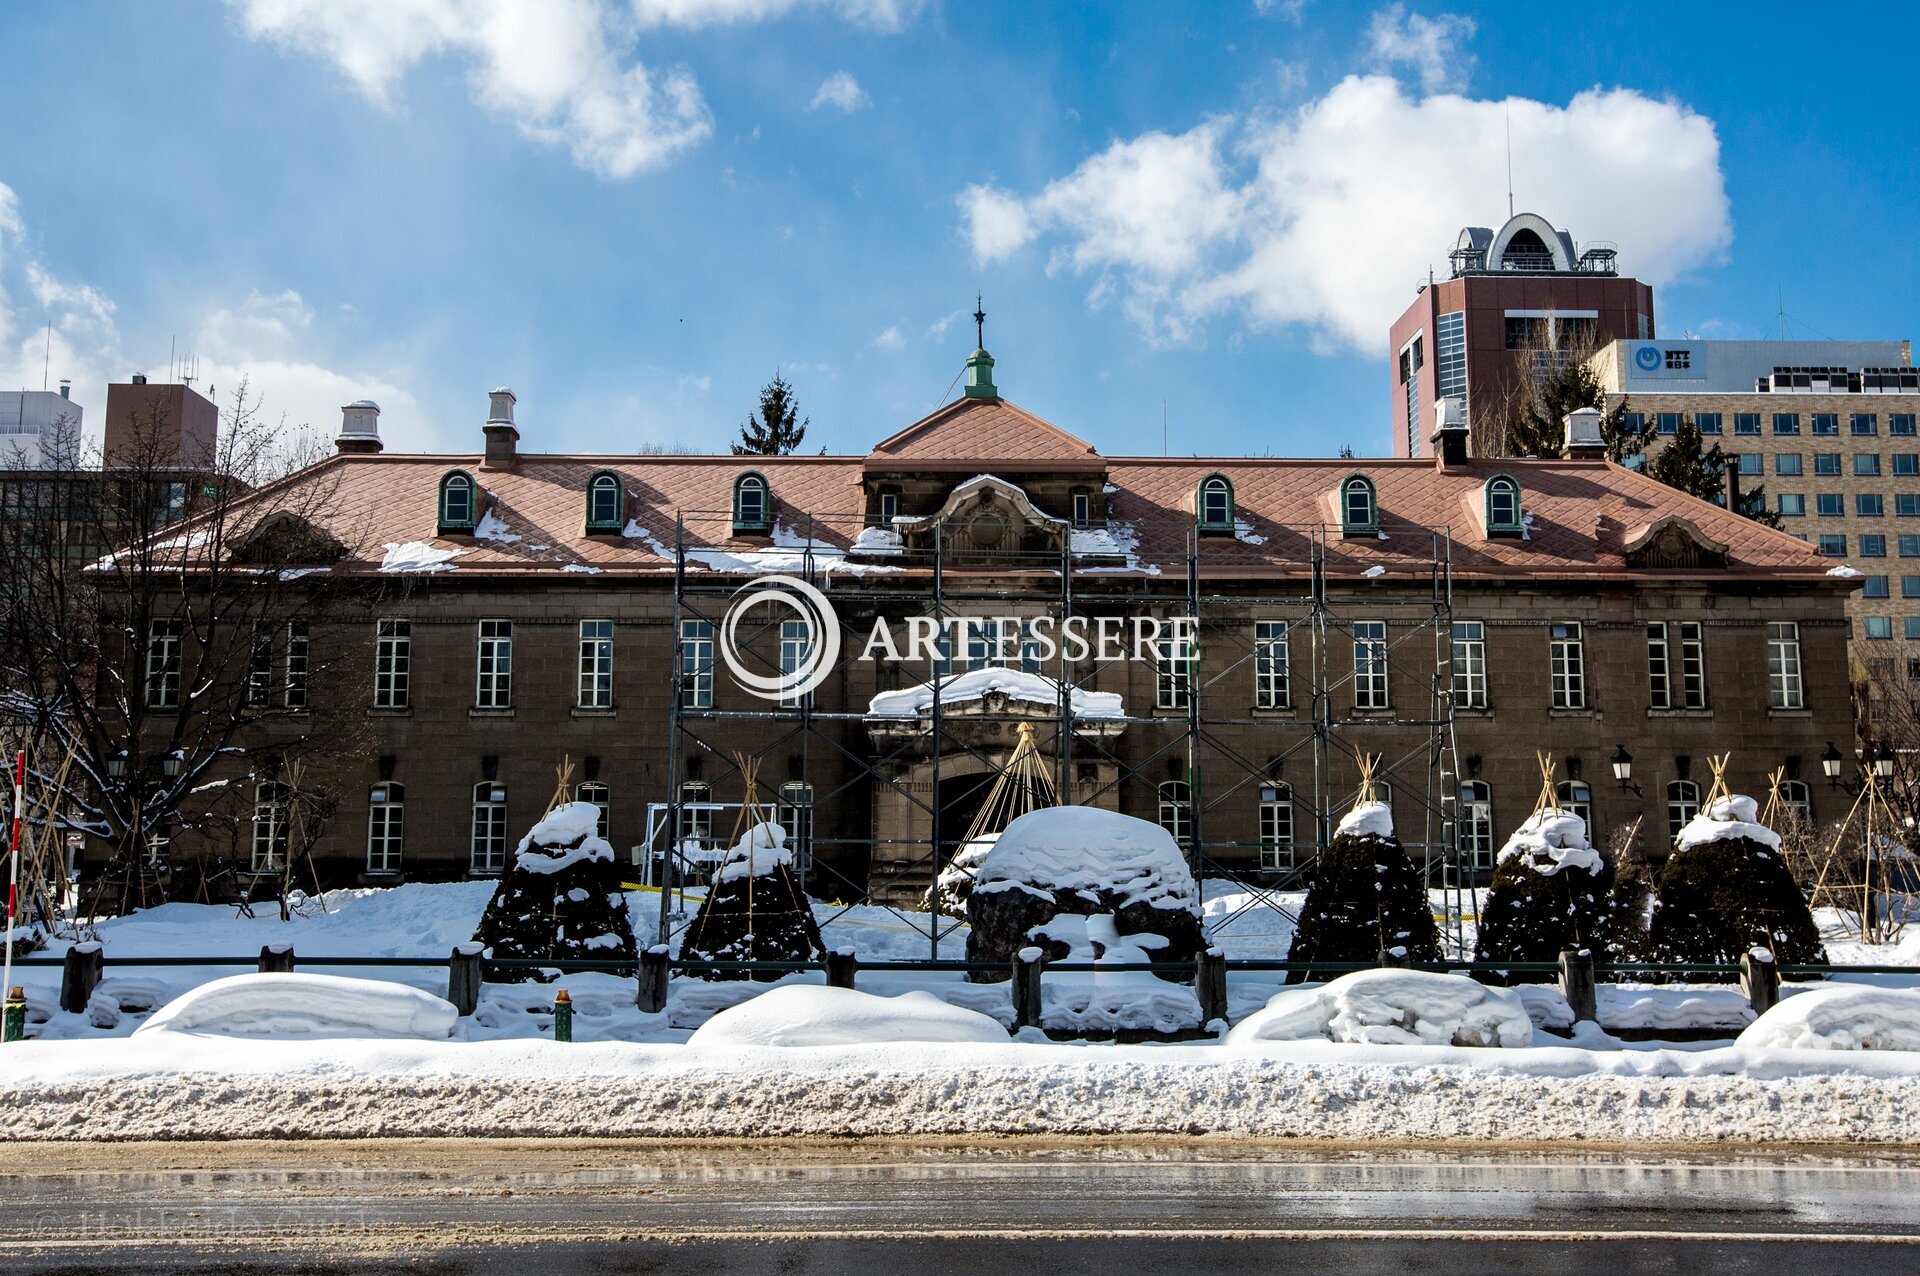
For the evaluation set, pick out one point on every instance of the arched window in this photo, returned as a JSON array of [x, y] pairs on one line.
[[386, 826], [489, 841], [1359, 511], [459, 502], [1176, 811], [1798, 799], [751, 502], [604, 503], [1503, 507], [1576, 798], [1276, 826], [1683, 803], [1214, 504], [1476, 823], [597, 795]]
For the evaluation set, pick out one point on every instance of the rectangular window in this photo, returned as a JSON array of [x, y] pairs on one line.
[[1174, 660], [1906, 464], [795, 643], [1783, 666], [1786, 423], [796, 817], [696, 664], [1709, 422], [386, 829], [1526, 332], [1869, 504], [1827, 464], [488, 845], [1659, 667], [1866, 464], [1632, 422], [1693, 665], [269, 827], [1369, 664], [1910, 547], [596, 664], [1567, 662], [1913, 635], [1873, 587], [1787, 464], [1469, 664], [1746, 423], [1667, 422], [1176, 811], [1907, 504], [1900, 423], [393, 663], [1864, 423], [163, 664], [1910, 586], [1830, 505], [1832, 546], [1879, 627], [1873, 547], [1272, 669], [1750, 464], [299, 650], [1826, 423], [260, 669], [1082, 509], [1276, 827], [1450, 348], [1791, 504], [493, 672]]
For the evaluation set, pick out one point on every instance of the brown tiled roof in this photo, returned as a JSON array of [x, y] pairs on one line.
[[957, 436], [1580, 514]]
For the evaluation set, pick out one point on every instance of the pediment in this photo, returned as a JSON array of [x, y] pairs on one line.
[[1673, 542], [286, 538]]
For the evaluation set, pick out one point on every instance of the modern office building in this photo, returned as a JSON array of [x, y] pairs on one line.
[[38, 428], [1515, 301]]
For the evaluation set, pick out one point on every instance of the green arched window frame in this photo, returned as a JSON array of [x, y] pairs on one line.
[[752, 503], [1503, 506], [459, 502], [1359, 506], [606, 503], [1213, 504]]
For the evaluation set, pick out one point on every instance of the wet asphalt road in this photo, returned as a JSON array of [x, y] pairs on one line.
[[902, 1209]]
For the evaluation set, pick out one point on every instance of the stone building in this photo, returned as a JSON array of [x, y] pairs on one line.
[[1448, 615]]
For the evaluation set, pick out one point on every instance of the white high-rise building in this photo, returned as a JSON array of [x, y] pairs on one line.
[[36, 427]]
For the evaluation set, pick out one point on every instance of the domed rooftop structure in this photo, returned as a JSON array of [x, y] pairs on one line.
[[1527, 244]]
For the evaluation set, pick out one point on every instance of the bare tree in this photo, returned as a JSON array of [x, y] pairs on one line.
[[156, 626]]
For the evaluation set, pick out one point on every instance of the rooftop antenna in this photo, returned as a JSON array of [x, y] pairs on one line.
[[1782, 312], [46, 357], [1509, 163]]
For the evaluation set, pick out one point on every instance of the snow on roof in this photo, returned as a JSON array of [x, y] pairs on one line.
[[1367, 819], [1085, 848], [1553, 839], [418, 556], [976, 684], [1723, 818]]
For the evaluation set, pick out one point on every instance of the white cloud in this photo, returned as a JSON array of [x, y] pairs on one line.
[[839, 90], [1430, 46], [560, 71], [1325, 218], [883, 15], [891, 340]]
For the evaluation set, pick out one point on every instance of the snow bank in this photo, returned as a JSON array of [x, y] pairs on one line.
[[293, 1005], [547, 846], [418, 556], [1393, 1007], [1840, 1017], [1083, 848], [1724, 818], [1553, 840], [877, 540], [977, 684], [811, 1015], [760, 850], [1367, 819]]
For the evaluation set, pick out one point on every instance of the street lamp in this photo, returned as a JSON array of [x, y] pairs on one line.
[[1830, 760], [1622, 765], [1883, 761]]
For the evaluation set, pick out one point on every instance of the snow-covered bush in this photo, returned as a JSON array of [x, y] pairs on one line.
[[1840, 1017], [1549, 892], [295, 1005], [955, 883], [755, 909], [559, 898], [1112, 881], [1393, 1008], [810, 1015], [1727, 889], [1366, 897]]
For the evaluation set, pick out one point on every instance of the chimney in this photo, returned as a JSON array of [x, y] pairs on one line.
[[139, 378], [1449, 436], [359, 427], [66, 388], [502, 438], [1733, 484], [1584, 441]]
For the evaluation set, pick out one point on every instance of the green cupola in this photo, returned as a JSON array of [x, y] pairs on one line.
[[980, 364]]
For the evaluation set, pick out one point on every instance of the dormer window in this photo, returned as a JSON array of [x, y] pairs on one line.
[[889, 505], [1082, 507], [751, 502], [604, 504], [459, 502], [1359, 508], [1503, 507], [1214, 504]]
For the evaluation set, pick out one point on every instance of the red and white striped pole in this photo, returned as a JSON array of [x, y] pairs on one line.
[[13, 860]]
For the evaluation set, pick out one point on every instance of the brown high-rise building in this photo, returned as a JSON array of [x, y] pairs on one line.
[[1516, 301], [160, 424]]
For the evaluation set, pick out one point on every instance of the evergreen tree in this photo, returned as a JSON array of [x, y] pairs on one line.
[[1689, 465], [777, 429], [1537, 424]]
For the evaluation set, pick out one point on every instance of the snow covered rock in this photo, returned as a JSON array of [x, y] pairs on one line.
[[1840, 1017], [305, 1006], [811, 1015], [1080, 880], [1726, 889], [1393, 1008], [1366, 897], [755, 910], [1550, 891], [559, 898]]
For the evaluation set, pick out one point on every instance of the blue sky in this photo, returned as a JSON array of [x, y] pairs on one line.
[[634, 211]]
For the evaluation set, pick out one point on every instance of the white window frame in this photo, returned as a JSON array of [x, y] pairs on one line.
[[270, 831], [696, 664], [595, 690], [386, 827], [1370, 685], [493, 665], [796, 817], [597, 795], [1567, 664], [1475, 829], [1659, 666], [1693, 665], [796, 641], [1276, 827], [260, 669], [1176, 811], [163, 664], [1683, 803], [1576, 798], [1272, 665], [487, 841], [393, 662], [1174, 664], [299, 663], [1786, 688], [1469, 639]]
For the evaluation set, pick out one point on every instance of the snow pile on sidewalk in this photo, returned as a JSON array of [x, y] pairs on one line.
[[285, 1006], [977, 684], [1392, 1008], [810, 1015], [1840, 1017]]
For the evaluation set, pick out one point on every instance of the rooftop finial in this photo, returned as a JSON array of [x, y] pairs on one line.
[[979, 323]]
